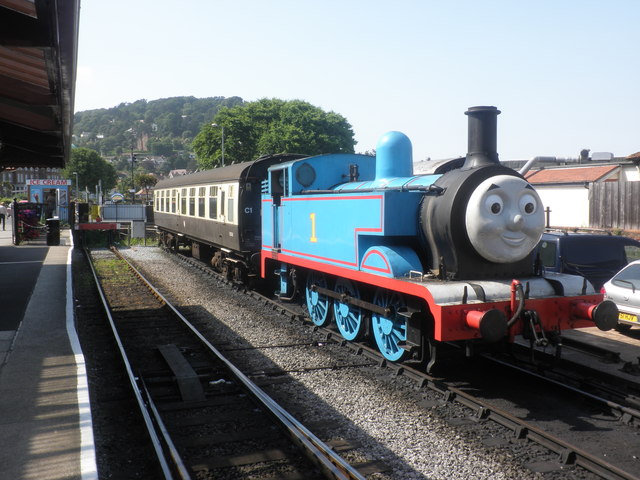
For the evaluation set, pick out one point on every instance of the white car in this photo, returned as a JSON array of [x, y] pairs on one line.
[[624, 290]]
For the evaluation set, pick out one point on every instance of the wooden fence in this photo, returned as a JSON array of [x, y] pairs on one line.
[[614, 205]]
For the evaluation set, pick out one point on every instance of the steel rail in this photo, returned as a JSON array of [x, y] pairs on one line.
[[133, 380], [331, 463], [567, 453], [621, 409], [611, 387], [173, 451]]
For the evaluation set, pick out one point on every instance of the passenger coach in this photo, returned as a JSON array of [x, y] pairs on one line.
[[216, 213]]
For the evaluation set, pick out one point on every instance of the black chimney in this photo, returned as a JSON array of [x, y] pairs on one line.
[[482, 146]]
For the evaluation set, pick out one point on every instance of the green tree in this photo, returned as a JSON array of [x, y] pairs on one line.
[[146, 181], [271, 126], [161, 146], [91, 169]]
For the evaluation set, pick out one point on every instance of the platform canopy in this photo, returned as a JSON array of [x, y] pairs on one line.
[[38, 60]]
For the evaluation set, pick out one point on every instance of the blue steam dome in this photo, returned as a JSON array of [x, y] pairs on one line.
[[394, 156]]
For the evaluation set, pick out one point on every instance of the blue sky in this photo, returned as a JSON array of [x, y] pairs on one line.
[[565, 74]]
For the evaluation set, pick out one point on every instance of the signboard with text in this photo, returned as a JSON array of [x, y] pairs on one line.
[[48, 182]]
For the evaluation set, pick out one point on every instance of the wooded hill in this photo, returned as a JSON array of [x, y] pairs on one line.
[[159, 127]]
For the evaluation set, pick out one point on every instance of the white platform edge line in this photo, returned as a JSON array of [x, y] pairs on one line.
[[88, 467]]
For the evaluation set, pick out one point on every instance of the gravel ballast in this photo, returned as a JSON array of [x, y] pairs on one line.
[[366, 405]]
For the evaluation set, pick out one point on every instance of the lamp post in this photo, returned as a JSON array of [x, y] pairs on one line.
[[133, 188], [77, 187], [222, 129], [134, 136]]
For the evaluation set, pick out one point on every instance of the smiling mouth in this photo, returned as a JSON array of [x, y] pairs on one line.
[[513, 241]]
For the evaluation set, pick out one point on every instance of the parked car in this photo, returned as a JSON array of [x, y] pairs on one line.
[[597, 257], [624, 290]]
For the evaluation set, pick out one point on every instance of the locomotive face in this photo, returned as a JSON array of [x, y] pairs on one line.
[[504, 219]]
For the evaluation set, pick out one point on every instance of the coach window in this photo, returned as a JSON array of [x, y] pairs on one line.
[[183, 201], [222, 203], [192, 202], [231, 204], [165, 200], [202, 193], [213, 202], [174, 196]]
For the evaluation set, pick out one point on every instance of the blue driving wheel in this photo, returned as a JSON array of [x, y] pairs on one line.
[[349, 318], [319, 305], [388, 332]]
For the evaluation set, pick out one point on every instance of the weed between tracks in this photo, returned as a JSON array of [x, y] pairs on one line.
[[110, 266]]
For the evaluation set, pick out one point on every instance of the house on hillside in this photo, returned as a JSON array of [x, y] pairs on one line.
[[178, 172]]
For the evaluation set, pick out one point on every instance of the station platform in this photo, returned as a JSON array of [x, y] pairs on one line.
[[45, 419]]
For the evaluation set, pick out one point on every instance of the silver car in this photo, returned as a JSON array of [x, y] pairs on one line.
[[624, 290]]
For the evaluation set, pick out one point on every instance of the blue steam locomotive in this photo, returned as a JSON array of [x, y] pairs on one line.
[[408, 261]]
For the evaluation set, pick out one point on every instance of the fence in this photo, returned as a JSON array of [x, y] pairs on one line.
[[123, 213], [614, 205], [28, 219]]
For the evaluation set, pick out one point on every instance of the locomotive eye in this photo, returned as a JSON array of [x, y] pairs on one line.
[[494, 204], [528, 204]]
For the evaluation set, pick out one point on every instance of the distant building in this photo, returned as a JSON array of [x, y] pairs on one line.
[[565, 191], [18, 177]]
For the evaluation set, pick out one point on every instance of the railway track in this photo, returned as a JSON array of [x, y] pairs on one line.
[[204, 416], [567, 453]]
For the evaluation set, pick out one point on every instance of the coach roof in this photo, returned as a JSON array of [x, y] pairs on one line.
[[229, 173], [221, 174]]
